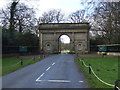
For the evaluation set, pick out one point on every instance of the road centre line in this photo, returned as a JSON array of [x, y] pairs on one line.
[[38, 79], [48, 68], [40, 76], [80, 81], [56, 81], [53, 64]]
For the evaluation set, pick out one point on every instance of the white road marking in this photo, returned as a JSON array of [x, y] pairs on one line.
[[40, 76], [57, 81], [48, 68], [53, 64], [80, 81]]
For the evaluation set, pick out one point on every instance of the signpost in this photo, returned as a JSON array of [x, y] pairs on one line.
[[102, 48], [23, 48]]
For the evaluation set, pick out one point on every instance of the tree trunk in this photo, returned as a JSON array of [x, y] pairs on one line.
[[12, 13]]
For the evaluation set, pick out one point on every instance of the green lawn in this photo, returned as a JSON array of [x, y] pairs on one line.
[[65, 51], [0, 66], [105, 68], [12, 64]]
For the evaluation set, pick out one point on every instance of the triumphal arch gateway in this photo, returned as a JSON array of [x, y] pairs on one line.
[[77, 32]]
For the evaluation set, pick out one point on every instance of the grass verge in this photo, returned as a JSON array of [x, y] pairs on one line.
[[105, 68], [12, 64]]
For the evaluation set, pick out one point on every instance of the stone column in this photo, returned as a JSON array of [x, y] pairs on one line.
[[88, 42], [73, 41], [40, 42], [55, 43]]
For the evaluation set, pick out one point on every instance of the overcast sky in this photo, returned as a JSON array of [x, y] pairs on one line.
[[67, 6], [65, 39]]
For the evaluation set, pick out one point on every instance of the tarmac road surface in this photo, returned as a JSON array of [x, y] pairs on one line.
[[57, 71]]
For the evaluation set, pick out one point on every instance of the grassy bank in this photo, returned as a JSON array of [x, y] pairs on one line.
[[105, 68], [12, 64]]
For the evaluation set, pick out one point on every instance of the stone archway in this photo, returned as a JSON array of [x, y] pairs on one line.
[[78, 34], [62, 44], [58, 35]]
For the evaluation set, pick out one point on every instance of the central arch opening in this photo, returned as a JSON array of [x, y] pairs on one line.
[[64, 44]]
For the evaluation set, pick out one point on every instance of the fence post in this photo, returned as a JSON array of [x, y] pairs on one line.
[[82, 61], [77, 54], [79, 59], [21, 62], [34, 58], [89, 69], [116, 84], [18, 57]]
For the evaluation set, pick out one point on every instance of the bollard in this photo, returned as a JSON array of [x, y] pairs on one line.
[[116, 84], [21, 62], [102, 55], [89, 69]]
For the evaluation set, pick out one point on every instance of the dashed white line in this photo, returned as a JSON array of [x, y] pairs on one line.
[[48, 68], [80, 81], [53, 64], [38, 79], [40, 76], [57, 81]]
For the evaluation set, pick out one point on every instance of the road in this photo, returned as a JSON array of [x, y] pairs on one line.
[[57, 71]]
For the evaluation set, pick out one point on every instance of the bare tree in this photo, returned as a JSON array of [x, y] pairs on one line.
[[12, 13], [85, 14], [21, 19], [59, 16], [4, 18], [24, 18], [106, 18], [78, 16], [52, 16]]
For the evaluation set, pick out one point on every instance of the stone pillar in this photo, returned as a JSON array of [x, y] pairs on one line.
[[88, 42], [41, 42], [73, 41], [55, 43]]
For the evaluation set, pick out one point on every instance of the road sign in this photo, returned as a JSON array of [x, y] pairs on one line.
[[102, 48], [22, 48]]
